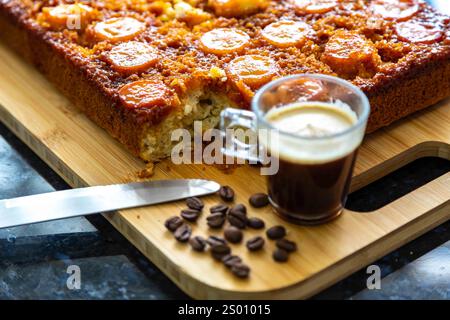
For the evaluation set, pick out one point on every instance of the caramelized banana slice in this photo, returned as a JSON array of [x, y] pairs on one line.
[[237, 8], [223, 40], [145, 94], [315, 6], [286, 33], [254, 70], [118, 29], [132, 57], [70, 16], [347, 53], [399, 10], [418, 32]]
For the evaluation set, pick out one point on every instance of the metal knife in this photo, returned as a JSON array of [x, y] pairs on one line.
[[84, 201]]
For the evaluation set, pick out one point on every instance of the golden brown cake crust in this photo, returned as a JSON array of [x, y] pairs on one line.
[[400, 76], [74, 83]]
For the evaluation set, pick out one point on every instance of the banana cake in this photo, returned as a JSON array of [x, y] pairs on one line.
[[142, 68]]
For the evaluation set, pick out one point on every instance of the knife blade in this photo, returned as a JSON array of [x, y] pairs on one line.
[[84, 201]]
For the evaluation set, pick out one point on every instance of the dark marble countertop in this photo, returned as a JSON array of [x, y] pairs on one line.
[[34, 259]]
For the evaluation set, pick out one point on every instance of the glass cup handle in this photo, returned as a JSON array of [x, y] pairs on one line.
[[238, 128]]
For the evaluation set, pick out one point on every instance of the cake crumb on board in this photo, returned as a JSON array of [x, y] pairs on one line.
[[147, 172]]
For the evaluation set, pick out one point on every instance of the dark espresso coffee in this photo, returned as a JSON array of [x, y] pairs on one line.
[[315, 170]]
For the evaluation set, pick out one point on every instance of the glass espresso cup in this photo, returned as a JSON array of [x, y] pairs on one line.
[[319, 122]]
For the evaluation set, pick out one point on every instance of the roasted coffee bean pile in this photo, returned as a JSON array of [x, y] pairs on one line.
[[238, 221]]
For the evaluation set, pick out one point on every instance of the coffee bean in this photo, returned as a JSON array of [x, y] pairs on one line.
[[195, 203], [280, 255], [259, 200], [255, 223], [255, 243], [240, 270], [285, 244], [215, 240], [233, 234], [221, 248], [237, 216], [229, 260], [276, 232], [215, 220], [183, 233], [238, 220], [217, 256], [226, 193], [190, 214], [239, 207], [173, 223], [218, 251], [197, 243], [222, 208]]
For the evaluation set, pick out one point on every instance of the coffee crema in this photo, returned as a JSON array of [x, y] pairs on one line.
[[315, 162], [312, 119], [317, 124]]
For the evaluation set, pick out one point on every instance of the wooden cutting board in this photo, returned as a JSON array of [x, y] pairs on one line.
[[83, 154]]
